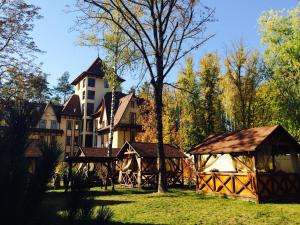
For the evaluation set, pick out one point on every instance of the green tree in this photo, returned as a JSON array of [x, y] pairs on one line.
[[209, 92], [280, 36], [32, 87], [63, 88], [191, 129]]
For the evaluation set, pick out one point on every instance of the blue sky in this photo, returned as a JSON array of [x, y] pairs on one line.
[[235, 19]]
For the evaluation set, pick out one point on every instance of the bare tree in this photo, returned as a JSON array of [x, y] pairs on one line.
[[163, 32]]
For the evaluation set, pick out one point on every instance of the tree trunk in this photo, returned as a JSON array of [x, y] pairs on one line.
[[110, 172], [162, 182]]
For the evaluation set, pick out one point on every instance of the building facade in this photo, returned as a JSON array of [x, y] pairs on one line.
[[83, 120]]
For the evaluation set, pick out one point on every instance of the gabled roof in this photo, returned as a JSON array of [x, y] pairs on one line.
[[149, 150], [123, 103], [95, 70], [106, 103], [72, 106], [247, 140]]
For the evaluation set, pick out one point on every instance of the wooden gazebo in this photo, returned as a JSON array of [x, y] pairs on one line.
[[138, 165], [258, 164]]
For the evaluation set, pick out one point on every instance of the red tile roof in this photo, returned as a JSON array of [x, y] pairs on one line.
[[241, 141], [149, 150], [72, 106], [95, 70]]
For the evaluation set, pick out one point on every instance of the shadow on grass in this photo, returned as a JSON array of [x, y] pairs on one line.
[[120, 223]]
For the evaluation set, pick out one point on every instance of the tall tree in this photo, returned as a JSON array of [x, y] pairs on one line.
[[280, 35], [242, 74], [63, 89], [209, 79], [163, 32], [190, 108], [17, 48]]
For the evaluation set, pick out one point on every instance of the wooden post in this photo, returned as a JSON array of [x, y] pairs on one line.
[[197, 170], [139, 174], [256, 177]]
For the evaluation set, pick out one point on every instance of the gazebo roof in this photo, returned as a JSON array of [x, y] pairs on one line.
[[248, 140], [90, 155], [149, 150]]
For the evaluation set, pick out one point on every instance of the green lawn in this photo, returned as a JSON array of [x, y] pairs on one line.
[[131, 206]]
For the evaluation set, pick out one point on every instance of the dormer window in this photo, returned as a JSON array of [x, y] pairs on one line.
[[42, 124], [83, 83]]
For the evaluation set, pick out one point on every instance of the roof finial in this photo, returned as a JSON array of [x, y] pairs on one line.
[[98, 52]]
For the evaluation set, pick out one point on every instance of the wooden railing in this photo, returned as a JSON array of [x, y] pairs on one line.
[[228, 184], [129, 179]]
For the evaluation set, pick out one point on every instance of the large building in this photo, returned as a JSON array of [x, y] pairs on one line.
[[84, 119]]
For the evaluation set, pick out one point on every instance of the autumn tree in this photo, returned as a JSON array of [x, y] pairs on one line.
[[280, 36], [163, 32], [63, 89], [240, 82], [209, 91], [17, 48]]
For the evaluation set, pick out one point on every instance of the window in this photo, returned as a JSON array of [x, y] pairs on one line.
[[132, 118], [132, 104], [83, 83], [69, 125], [90, 108], [82, 108], [91, 82], [78, 86], [83, 95], [91, 95], [53, 124], [76, 140], [106, 84], [89, 125], [42, 124], [77, 124], [68, 140]]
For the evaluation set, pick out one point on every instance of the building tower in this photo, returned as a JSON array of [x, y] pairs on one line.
[[90, 86]]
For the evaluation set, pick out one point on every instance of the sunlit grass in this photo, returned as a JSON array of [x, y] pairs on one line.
[[132, 206]]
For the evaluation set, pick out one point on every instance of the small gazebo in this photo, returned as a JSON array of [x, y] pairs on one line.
[[257, 164], [138, 165]]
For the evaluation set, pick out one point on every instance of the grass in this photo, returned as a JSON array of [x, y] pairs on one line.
[[131, 206]]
